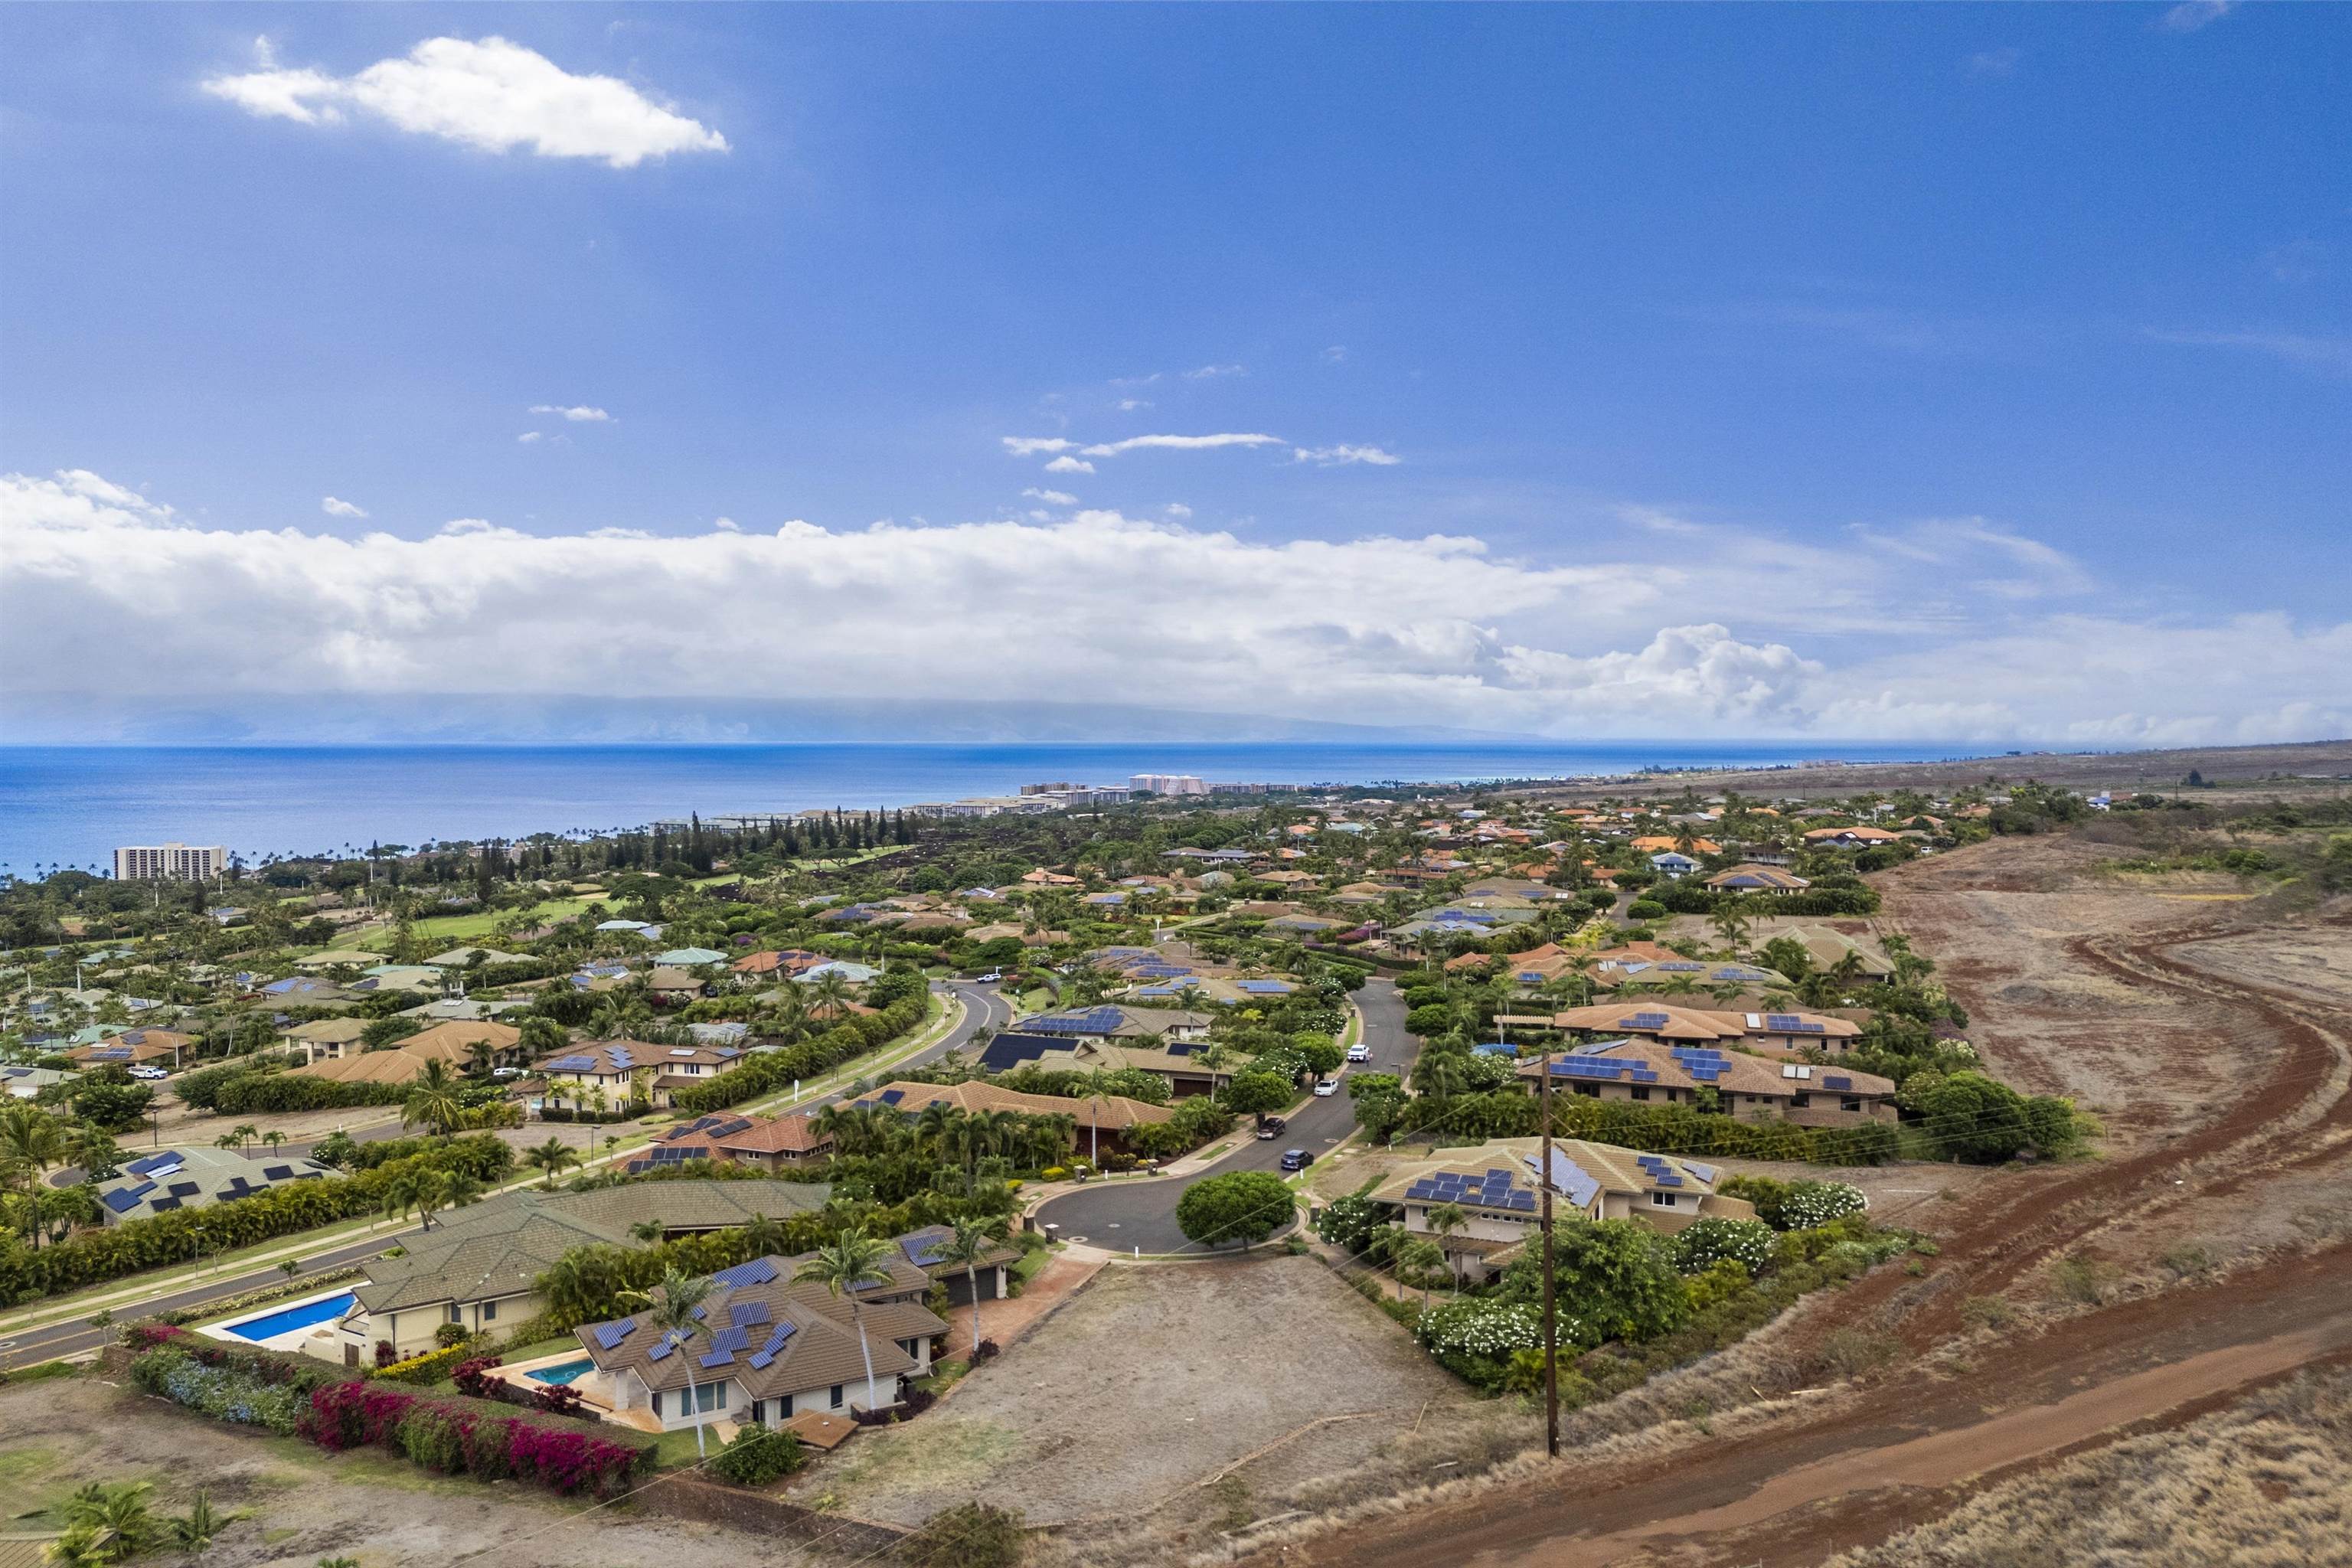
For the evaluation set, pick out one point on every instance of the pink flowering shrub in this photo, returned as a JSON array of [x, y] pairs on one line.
[[450, 1440]]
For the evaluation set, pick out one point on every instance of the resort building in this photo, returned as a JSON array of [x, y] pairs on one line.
[[170, 863]]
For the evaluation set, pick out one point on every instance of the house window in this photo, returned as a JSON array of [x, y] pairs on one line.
[[489, 1312], [1591, 1089], [709, 1395], [836, 1396], [759, 1413], [784, 1408], [1851, 1102], [1664, 1200], [455, 1316], [656, 1401], [1641, 1091], [1800, 1100]]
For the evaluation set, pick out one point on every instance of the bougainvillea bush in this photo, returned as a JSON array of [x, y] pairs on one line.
[[450, 1440]]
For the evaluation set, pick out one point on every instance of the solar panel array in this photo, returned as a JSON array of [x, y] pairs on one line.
[[1704, 1173], [1790, 1023], [922, 1248], [743, 1312], [1702, 1064], [725, 1343], [758, 1271], [1571, 1180], [572, 1064], [1658, 1171], [1085, 1021], [1645, 1021], [784, 1330], [1607, 1069], [1264, 987], [610, 1335], [1836, 1082], [1492, 1190]]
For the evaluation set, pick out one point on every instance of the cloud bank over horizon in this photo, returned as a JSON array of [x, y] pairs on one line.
[[1950, 629]]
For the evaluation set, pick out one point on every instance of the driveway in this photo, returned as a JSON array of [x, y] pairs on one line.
[[1126, 1215], [983, 1008]]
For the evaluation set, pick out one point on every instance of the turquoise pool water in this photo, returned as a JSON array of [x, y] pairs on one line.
[[288, 1319], [563, 1372]]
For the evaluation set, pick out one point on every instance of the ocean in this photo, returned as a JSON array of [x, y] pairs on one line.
[[72, 806]]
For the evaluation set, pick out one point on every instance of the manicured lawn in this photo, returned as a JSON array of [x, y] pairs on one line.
[[448, 931]]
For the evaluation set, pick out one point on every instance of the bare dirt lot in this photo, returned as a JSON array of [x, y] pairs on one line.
[[1149, 1382], [2208, 1241], [302, 1504]]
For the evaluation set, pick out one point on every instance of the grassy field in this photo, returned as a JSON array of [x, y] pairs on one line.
[[446, 930]]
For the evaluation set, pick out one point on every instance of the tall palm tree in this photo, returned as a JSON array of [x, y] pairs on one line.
[[421, 1192], [1446, 1219], [273, 1140], [764, 1237], [433, 1100], [852, 1262], [552, 1157], [969, 1241], [244, 1132], [831, 991], [670, 1307], [30, 1141]]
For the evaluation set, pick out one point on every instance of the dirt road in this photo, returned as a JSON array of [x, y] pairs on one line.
[[2227, 1094]]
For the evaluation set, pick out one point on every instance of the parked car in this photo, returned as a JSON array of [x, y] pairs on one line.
[[1359, 1052], [1272, 1126], [149, 1072], [1296, 1158], [991, 978], [1327, 1087]]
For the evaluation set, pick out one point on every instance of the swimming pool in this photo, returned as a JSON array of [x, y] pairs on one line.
[[563, 1372], [286, 1319]]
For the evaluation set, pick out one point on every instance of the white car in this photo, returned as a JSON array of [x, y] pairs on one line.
[[1359, 1052], [1327, 1087], [149, 1072], [991, 978]]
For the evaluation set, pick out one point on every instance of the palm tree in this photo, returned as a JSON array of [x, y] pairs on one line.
[[419, 1191], [91, 1150], [30, 1143], [244, 1132], [764, 1237], [433, 1100], [273, 1140], [670, 1307], [969, 1241], [831, 990], [1096, 1095], [552, 1157], [1446, 1219], [851, 1263]]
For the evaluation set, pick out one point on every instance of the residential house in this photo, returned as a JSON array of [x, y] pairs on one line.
[[1850, 838], [1677, 1025], [1109, 1117], [1175, 1062], [573, 1077], [1673, 863], [725, 1138], [1494, 1187], [1749, 1087], [782, 964], [195, 1177], [136, 1049], [470, 957], [772, 1346], [325, 1039], [676, 984], [1751, 877], [477, 1266], [451, 1044]]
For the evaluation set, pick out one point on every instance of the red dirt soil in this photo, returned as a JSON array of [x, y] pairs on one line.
[[1912, 1442]]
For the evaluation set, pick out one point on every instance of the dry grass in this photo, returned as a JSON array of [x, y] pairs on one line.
[[2268, 1481]]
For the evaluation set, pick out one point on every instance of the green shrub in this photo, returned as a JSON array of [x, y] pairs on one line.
[[970, 1535], [756, 1456], [1704, 1243]]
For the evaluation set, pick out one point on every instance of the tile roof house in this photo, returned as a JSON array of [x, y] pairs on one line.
[[573, 1075], [1851, 837], [451, 1044], [1495, 1186], [1745, 1087], [770, 1347], [1111, 1116], [1661, 1020], [477, 1266], [726, 1137], [195, 1177], [1755, 879], [1175, 1063], [787, 963], [135, 1047], [325, 1038]]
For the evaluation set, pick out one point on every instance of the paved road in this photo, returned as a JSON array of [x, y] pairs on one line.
[[983, 1008], [1142, 1214]]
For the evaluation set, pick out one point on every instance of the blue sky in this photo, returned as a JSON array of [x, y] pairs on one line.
[[1948, 371]]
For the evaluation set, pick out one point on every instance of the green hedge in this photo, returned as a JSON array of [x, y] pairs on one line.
[[242, 1088], [91, 1257], [773, 1072]]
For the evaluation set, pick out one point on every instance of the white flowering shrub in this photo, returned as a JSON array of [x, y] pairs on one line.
[[1475, 1326], [1811, 1204], [1705, 1243]]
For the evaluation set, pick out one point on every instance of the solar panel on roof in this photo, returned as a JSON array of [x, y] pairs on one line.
[[749, 1311], [758, 1271], [278, 1173], [661, 1349], [1643, 1021], [124, 1201], [1836, 1082], [610, 1335], [1704, 1173]]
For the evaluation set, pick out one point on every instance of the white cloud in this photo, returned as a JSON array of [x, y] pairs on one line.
[[1180, 444], [2325, 355], [1332, 456], [1336, 354], [1030, 445], [1053, 497], [1696, 632], [528, 437], [492, 95], [1211, 371], [1177, 510], [578, 413], [1130, 405], [2191, 14], [334, 508], [1995, 62], [1069, 465]]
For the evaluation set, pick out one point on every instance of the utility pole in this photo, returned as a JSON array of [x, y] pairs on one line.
[[1550, 1309]]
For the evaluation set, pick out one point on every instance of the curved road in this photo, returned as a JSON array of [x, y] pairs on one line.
[[1125, 1215], [983, 1009]]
